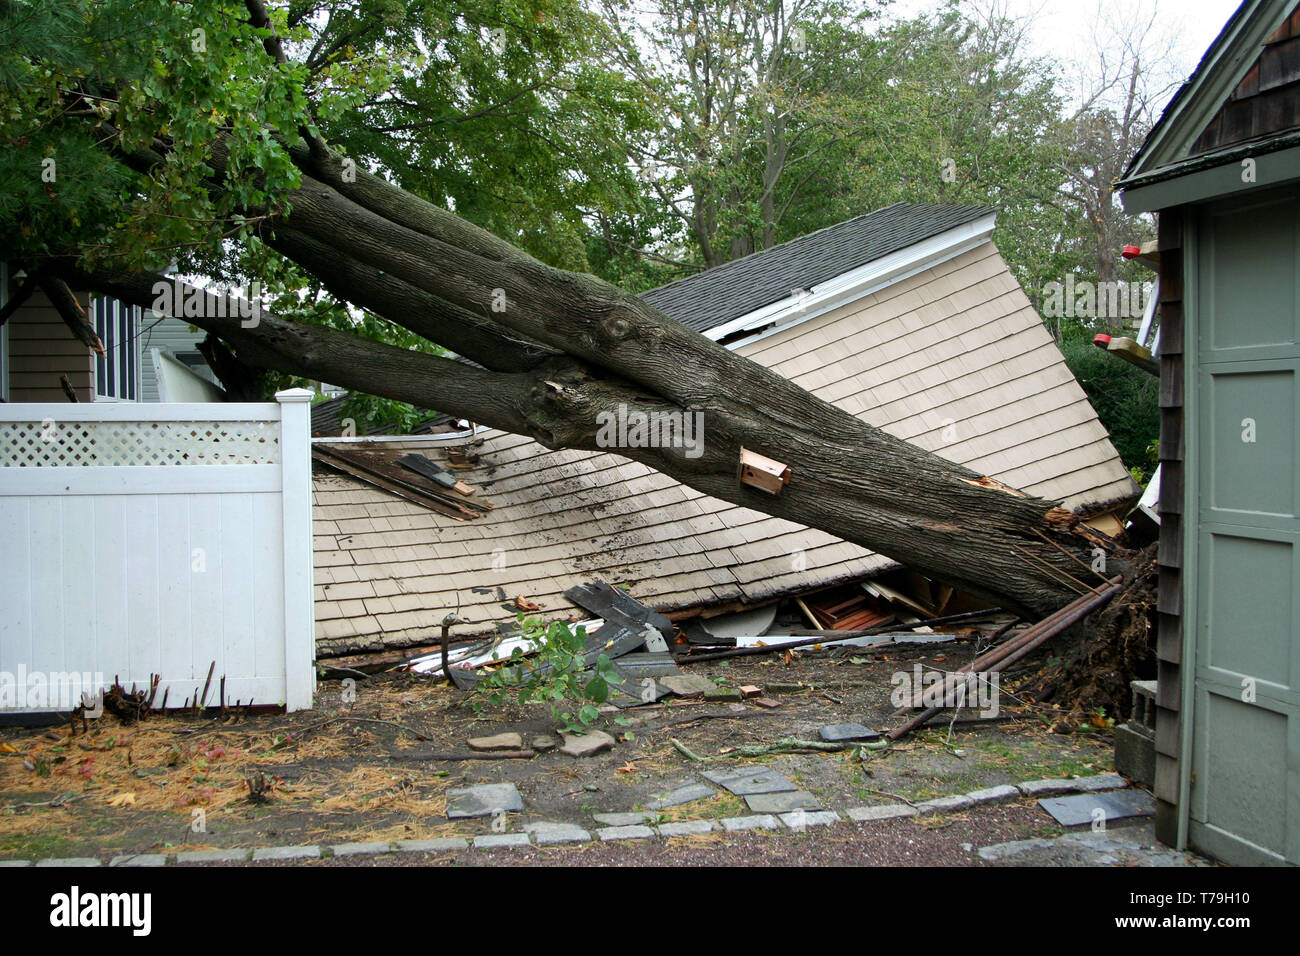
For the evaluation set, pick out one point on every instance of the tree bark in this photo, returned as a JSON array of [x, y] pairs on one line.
[[568, 347], [554, 349]]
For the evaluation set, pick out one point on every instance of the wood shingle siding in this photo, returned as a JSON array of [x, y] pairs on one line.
[[1265, 101], [1169, 558]]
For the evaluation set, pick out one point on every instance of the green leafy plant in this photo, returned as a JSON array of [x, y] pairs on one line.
[[555, 673]]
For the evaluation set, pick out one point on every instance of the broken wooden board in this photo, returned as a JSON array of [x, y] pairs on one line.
[[868, 640], [430, 469], [375, 470]]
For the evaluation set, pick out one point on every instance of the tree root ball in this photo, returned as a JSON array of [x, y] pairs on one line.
[[1087, 669]]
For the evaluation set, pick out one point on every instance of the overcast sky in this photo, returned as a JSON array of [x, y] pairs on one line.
[[1059, 26]]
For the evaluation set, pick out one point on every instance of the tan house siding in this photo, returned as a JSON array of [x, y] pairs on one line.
[[41, 349], [957, 361], [955, 345]]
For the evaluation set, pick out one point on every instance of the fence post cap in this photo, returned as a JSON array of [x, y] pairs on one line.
[[295, 395]]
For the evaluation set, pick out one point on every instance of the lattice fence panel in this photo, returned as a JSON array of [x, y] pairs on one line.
[[53, 444]]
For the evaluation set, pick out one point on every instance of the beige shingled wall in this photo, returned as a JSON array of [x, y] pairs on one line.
[[958, 344], [41, 349]]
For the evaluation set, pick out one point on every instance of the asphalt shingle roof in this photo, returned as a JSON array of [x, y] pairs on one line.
[[726, 292]]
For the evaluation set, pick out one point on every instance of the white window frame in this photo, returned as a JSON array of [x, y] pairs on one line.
[[116, 349], [4, 334]]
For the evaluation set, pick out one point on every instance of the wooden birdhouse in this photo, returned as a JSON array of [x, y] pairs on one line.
[[763, 473]]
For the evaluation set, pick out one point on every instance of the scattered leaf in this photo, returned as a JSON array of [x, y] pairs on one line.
[[122, 800]]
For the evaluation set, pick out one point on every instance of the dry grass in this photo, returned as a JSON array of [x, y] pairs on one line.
[[715, 807]]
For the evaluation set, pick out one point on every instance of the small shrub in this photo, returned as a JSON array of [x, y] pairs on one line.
[[555, 674]]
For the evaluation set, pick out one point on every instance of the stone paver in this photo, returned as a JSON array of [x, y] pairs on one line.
[[286, 853], [762, 821], [1038, 788], [1127, 848], [782, 802], [1086, 808], [750, 780], [723, 693], [483, 801], [622, 819], [506, 741], [487, 841], [798, 819], [4, 863], [835, 733], [607, 834], [995, 794], [1101, 781], [71, 861], [958, 801], [888, 811], [585, 745], [687, 685], [546, 833], [685, 794], [437, 845], [361, 849], [214, 856], [140, 859], [686, 828]]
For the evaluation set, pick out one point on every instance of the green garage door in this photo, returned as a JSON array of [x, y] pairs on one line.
[[1245, 795]]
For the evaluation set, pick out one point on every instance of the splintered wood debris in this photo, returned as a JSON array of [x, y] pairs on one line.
[[377, 466]]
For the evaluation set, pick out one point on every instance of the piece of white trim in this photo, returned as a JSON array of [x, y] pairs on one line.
[[878, 274], [299, 557], [449, 438], [140, 412], [1153, 302]]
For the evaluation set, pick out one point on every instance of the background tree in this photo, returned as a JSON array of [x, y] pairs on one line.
[[753, 95]]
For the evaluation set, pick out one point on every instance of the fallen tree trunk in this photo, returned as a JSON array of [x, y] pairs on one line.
[[849, 479], [555, 351]]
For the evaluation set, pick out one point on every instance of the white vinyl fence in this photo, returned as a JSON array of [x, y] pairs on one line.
[[140, 540]]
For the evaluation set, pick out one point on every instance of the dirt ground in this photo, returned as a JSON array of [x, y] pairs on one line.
[[359, 771]]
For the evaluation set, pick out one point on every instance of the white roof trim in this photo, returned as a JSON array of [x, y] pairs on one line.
[[804, 304], [440, 438]]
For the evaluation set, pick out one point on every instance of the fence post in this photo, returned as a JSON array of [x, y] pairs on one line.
[[299, 610]]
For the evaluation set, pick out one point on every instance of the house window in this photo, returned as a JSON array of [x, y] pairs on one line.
[[117, 371]]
